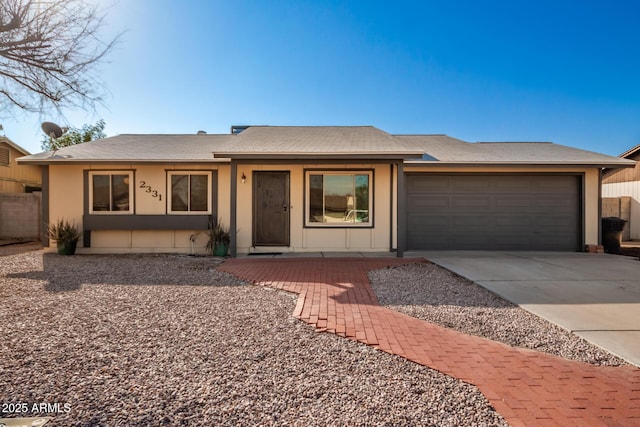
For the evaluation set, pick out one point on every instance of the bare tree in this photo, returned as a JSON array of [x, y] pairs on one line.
[[49, 50]]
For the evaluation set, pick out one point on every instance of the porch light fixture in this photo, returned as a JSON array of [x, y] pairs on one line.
[[243, 178]]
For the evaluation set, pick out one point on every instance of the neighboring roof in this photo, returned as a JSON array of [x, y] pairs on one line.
[[615, 175], [13, 145], [444, 150], [319, 142], [631, 152]]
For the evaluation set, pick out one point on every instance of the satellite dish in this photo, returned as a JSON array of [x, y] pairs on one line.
[[52, 130]]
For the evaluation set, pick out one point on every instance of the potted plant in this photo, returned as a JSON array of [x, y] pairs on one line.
[[219, 239], [66, 236]]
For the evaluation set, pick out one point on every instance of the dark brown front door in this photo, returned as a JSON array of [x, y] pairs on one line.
[[271, 208]]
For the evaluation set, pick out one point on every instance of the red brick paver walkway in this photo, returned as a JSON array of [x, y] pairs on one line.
[[526, 387]]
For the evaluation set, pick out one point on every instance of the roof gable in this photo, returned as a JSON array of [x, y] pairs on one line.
[[5, 140], [304, 141], [632, 153], [611, 176]]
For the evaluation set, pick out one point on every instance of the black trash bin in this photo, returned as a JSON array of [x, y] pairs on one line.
[[612, 234]]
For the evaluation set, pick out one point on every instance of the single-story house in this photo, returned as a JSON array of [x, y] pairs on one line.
[[621, 194], [16, 178], [324, 188]]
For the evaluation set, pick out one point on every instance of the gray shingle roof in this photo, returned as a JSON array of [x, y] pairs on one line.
[[318, 142], [447, 150], [138, 148], [300, 141]]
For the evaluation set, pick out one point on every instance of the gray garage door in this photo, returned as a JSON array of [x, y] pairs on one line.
[[493, 212]]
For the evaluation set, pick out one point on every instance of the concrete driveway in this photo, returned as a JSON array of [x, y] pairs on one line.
[[595, 296]]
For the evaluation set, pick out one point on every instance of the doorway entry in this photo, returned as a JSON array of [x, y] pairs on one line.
[[271, 216]]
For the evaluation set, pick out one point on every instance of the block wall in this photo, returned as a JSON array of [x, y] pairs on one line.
[[20, 216]]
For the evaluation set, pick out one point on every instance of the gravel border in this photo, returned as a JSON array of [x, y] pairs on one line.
[[145, 340], [429, 292]]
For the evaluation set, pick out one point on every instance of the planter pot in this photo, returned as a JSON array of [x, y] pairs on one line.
[[220, 249], [67, 248]]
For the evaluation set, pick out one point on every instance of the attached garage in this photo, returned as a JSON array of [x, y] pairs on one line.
[[494, 212]]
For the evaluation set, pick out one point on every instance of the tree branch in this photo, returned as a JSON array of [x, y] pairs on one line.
[[49, 54]]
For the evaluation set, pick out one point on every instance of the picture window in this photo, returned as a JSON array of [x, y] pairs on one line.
[[339, 199]]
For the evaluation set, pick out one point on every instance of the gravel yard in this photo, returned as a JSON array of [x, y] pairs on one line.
[[429, 292], [170, 340], [124, 340]]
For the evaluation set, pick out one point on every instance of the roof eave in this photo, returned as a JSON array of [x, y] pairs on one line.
[[616, 165], [15, 146], [630, 152], [320, 156], [50, 161]]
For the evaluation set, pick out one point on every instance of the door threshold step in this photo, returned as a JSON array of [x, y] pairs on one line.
[[269, 250]]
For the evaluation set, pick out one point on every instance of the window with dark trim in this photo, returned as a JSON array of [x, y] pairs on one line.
[[339, 199], [110, 192], [190, 192]]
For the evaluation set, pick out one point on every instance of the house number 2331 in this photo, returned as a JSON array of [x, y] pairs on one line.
[[151, 191]]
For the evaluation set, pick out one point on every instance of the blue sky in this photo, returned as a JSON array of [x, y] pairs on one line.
[[561, 71]]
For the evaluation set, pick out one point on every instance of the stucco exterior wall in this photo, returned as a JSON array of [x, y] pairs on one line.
[[67, 201], [66, 196], [317, 239], [65, 193], [592, 207]]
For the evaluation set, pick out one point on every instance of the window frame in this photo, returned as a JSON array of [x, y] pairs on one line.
[[189, 173], [338, 172], [110, 173]]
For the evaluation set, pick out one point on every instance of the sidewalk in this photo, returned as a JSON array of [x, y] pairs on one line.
[[527, 388]]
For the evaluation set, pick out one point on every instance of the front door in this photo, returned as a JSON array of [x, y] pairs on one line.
[[271, 209]]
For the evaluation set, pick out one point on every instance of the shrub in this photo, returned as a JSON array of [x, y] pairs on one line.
[[63, 231]]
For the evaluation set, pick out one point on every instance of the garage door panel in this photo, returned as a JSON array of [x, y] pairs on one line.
[[557, 204], [427, 217], [469, 202], [437, 235], [439, 184], [512, 222], [514, 185], [428, 202], [512, 202], [469, 184], [554, 185], [555, 224], [507, 240], [501, 212], [469, 220]]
